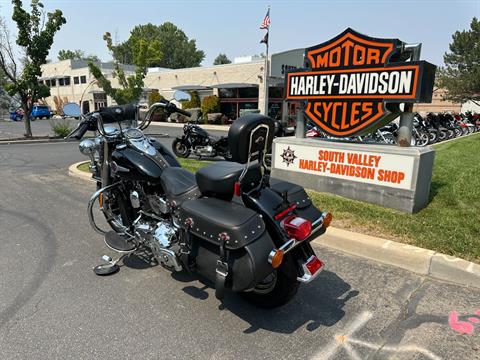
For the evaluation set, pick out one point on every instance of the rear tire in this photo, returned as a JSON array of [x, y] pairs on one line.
[[283, 289], [180, 149]]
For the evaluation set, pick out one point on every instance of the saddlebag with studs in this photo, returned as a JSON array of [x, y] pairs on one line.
[[216, 223]]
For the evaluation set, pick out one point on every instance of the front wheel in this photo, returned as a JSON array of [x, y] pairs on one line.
[[276, 289], [423, 138], [180, 149]]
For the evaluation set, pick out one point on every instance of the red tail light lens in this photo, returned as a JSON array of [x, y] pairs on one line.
[[297, 227], [313, 265], [236, 189]]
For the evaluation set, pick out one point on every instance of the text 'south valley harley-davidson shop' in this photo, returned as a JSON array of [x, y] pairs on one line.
[[352, 85], [367, 167]]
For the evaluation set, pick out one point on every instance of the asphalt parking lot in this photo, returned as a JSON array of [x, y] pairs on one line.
[[52, 306]]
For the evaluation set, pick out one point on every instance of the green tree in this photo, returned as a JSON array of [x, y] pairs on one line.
[[221, 59], [210, 105], [70, 55], [76, 55], [176, 50], [461, 74], [36, 31], [131, 86]]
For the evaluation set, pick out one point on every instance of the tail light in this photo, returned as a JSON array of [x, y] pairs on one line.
[[297, 227]]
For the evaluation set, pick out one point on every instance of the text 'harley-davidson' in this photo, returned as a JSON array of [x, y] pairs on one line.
[[229, 223]]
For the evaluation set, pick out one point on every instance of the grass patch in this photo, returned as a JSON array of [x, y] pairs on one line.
[[193, 165], [84, 167], [449, 224]]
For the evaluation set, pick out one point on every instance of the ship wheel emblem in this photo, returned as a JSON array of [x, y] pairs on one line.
[[288, 156]]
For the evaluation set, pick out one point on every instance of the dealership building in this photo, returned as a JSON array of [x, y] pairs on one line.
[[240, 86]]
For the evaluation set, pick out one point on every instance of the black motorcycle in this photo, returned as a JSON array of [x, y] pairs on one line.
[[229, 223], [201, 143]]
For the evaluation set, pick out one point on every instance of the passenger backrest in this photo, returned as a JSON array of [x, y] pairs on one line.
[[249, 135]]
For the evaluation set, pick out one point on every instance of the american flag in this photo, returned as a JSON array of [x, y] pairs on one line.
[[266, 21]]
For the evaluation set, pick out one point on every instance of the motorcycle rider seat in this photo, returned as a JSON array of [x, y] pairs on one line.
[[249, 139], [179, 184], [218, 179]]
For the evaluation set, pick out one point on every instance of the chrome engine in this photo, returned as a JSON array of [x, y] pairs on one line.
[[161, 237], [207, 151]]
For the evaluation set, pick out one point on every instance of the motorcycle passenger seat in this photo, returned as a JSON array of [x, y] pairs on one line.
[[179, 184], [218, 179]]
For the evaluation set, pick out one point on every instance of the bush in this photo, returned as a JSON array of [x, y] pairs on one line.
[[193, 103], [153, 97], [210, 105], [60, 128]]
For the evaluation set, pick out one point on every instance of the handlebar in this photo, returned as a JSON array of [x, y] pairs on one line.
[[183, 112], [89, 120], [81, 130]]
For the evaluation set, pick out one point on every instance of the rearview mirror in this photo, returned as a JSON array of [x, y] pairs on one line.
[[181, 96], [71, 109]]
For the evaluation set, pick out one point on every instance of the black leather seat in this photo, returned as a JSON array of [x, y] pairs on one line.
[[218, 179], [179, 184]]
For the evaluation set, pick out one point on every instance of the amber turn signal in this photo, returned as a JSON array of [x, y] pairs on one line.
[[327, 219], [100, 200], [275, 258]]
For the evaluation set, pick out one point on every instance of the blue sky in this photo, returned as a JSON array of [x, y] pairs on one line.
[[232, 27]]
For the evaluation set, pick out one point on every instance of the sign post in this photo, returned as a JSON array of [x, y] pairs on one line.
[[352, 85], [406, 118]]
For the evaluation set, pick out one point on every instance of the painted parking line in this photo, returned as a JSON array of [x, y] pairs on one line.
[[346, 344]]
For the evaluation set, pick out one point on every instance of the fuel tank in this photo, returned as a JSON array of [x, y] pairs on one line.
[[133, 164], [197, 130]]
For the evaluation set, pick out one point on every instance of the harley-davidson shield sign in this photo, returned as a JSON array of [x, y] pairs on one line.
[[353, 84]]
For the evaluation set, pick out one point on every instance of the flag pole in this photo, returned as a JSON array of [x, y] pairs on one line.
[[265, 76]]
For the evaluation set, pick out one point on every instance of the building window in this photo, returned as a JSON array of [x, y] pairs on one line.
[[248, 92], [275, 92], [83, 79], [47, 82], [67, 80], [227, 93], [76, 80], [53, 82], [40, 82], [99, 100], [61, 82]]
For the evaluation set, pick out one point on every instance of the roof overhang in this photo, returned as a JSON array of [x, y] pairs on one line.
[[234, 85], [191, 87]]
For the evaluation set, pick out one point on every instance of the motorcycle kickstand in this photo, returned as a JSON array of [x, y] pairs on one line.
[[110, 267]]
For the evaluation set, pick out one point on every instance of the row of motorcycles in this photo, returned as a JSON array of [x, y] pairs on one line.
[[429, 129]]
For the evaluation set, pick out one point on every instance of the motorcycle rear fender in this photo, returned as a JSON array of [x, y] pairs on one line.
[[267, 200]]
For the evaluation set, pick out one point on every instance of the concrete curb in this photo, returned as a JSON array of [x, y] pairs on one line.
[[412, 258], [73, 171], [418, 260], [33, 141], [204, 126]]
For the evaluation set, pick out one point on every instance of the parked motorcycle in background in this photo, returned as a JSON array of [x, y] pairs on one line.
[[199, 142], [230, 222]]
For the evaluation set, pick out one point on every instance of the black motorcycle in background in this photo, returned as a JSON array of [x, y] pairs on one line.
[[199, 142]]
